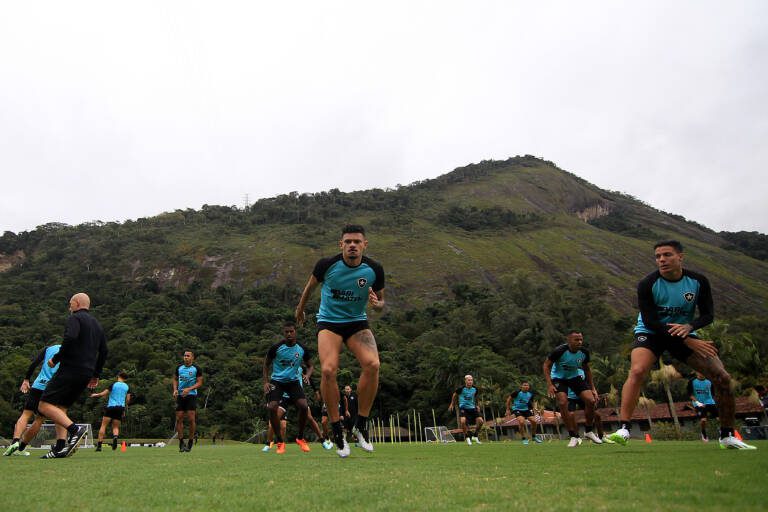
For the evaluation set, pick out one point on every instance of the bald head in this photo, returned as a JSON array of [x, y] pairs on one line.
[[79, 301]]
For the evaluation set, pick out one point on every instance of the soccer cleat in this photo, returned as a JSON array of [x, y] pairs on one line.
[[73, 441], [11, 449], [327, 444], [606, 440], [303, 445], [525, 442], [469, 441], [54, 455], [23, 453], [733, 443], [114, 443], [621, 436], [98, 448], [280, 448], [265, 449], [362, 440], [574, 442], [537, 440], [704, 439], [476, 440], [593, 437], [343, 452]]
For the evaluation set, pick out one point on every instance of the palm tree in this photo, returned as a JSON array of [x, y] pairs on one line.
[[665, 375], [647, 404]]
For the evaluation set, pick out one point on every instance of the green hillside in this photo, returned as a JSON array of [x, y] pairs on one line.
[[486, 267]]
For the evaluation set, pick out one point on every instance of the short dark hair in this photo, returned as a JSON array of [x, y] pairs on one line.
[[190, 351], [123, 375], [353, 228], [677, 246], [572, 331], [288, 323]]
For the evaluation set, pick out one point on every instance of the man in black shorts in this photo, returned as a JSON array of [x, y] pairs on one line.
[[520, 406], [186, 381], [119, 397], [350, 282], [668, 299], [21, 434], [469, 409], [81, 359], [700, 392], [350, 416]]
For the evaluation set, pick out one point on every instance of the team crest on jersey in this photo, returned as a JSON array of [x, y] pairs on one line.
[[362, 282], [641, 338], [689, 296]]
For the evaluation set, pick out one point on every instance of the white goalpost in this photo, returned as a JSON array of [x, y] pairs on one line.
[[46, 437], [438, 434]]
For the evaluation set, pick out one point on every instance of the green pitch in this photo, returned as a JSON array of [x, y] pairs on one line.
[[494, 476]]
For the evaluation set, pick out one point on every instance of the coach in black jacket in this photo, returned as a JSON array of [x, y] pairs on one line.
[[82, 356]]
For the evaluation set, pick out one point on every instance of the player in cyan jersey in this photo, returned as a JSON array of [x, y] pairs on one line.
[[561, 371], [186, 381], [284, 359], [350, 282], [520, 406], [575, 404], [668, 299], [21, 435], [700, 391], [119, 397], [469, 409]]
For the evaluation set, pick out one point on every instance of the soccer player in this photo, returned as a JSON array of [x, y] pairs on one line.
[[575, 403], [282, 374], [700, 392], [521, 403], [350, 416], [186, 381], [469, 409], [349, 280], [119, 397], [561, 371], [81, 359], [668, 299], [21, 435]]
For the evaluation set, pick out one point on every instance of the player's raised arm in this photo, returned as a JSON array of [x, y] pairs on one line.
[[305, 295]]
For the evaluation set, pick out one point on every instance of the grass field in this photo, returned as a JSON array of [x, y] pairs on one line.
[[493, 476]]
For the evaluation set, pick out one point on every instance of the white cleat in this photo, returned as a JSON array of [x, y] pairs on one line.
[[735, 444], [362, 441], [621, 436], [343, 452], [593, 437], [574, 442], [476, 440], [469, 441]]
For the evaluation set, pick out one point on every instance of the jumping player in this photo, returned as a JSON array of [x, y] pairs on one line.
[[350, 281], [119, 397], [561, 371], [668, 299], [21, 435], [469, 410], [186, 381]]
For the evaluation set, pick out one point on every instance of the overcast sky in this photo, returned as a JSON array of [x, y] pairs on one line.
[[113, 111]]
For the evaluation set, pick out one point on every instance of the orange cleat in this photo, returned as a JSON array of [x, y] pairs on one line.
[[280, 448], [303, 445]]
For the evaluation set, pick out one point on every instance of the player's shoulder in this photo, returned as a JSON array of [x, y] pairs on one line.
[[372, 263], [695, 275], [649, 279], [560, 349]]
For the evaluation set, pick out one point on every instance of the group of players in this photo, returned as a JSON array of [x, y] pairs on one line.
[[350, 283]]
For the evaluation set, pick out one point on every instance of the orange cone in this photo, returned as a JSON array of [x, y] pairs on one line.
[[737, 435], [122, 447], [647, 437]]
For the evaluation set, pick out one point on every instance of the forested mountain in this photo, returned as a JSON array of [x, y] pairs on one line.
[[486, 267]]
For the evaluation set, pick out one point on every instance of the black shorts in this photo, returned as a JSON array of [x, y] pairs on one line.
[[576, 384], [115, 413], [345, 330], [186, 403], [64, 388], [576, 404], [284, 403], [277, 388], [470, 414], [658, 343], [32, 400], [708, 411], [524, 414]]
